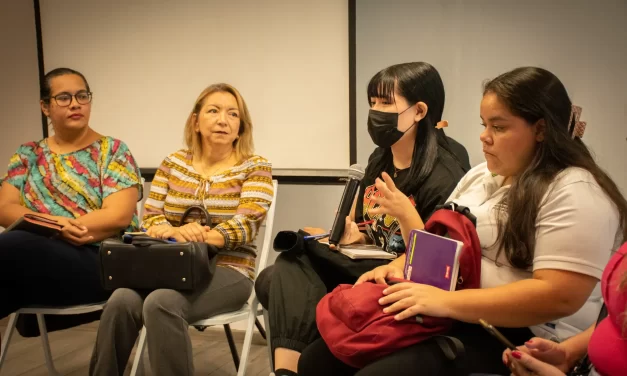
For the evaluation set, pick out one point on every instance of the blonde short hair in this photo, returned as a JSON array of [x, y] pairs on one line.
[[243, 145]]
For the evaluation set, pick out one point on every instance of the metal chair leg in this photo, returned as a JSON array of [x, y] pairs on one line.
[[229, 338], [260, 328], [8, 333], [46, 345]]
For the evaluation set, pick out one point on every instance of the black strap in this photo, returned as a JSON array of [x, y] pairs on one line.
[[145, 241], [585, 366], [454, 351]]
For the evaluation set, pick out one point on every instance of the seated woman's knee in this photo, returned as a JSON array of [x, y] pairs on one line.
[[162, 302], [124, 300], [262, 285]]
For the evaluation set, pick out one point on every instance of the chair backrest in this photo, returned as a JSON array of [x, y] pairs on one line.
[[140, 201], [267, 234]]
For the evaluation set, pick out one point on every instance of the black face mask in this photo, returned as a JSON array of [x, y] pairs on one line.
[[383, 127]]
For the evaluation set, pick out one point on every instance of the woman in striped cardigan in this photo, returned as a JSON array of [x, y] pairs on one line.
[[219, 172]]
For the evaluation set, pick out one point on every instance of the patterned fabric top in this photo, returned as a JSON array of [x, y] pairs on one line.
[[72, 184], [237, 201]]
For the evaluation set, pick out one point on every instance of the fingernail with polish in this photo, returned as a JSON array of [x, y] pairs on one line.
[[516, 354], [530, 342]]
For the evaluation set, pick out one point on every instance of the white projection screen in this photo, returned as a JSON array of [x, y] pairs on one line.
[[147, 61]]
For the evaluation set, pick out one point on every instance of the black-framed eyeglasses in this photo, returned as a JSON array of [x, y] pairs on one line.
[[65, 99]]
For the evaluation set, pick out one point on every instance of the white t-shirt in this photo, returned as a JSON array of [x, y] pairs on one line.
[[577, 229]]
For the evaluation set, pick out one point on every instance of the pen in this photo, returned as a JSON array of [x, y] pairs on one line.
[[312, 237]]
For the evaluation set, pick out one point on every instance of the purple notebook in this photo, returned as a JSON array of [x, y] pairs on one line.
[[432, 260]]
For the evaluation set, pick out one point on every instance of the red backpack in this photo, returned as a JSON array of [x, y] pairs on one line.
[[351, 320]]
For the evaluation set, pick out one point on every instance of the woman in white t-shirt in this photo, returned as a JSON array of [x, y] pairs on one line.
[[548, 219]]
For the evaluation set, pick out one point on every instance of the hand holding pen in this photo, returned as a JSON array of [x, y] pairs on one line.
[[352, 233]]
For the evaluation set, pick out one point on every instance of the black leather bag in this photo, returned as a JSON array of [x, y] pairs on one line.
[[147, 263]]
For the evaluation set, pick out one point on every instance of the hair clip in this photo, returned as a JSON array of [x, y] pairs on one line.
[[441, 124], [579, 127]]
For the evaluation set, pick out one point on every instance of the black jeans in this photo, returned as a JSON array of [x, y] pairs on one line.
[[291, 289], [482, 355], [35, 270]]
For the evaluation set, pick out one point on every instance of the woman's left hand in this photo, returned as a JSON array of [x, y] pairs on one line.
[[523, 364], [192, 232], [391, 201], [416, 299]]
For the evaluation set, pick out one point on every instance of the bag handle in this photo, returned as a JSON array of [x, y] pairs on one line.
[[202, 210], [463, 210], [145, 241]]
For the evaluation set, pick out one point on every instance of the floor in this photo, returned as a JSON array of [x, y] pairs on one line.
[[71, 350]]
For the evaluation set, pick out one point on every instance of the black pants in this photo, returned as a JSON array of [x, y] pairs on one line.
[[35, 270], [291, 289], [483, 355]]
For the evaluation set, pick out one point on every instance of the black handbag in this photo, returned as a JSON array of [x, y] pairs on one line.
[[146, 263]]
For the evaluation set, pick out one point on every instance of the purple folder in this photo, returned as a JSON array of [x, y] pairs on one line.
[[432, 260]]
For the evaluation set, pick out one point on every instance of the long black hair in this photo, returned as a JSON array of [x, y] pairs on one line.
[[416, 82], [536, 94]]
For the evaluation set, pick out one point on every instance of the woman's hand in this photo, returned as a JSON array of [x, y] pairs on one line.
[[351, 234], [73, 231], [380, 274], [391, 200], [315, 231], [159, 231], [523, 364], [416, 299], [544, 350], [192, 232]]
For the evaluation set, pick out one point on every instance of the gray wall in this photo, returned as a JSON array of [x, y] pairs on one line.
[[20, 118], [581, 41]]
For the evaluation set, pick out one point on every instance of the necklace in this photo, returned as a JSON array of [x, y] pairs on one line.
[[397, 170]]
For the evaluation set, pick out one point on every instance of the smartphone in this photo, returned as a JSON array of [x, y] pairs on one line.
[[492, 330]]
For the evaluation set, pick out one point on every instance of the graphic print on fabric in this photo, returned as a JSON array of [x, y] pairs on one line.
[[385, 229]]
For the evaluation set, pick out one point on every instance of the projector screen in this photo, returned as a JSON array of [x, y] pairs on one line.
[[147, 61]]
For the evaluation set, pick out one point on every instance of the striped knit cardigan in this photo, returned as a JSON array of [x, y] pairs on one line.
[[237, 201]]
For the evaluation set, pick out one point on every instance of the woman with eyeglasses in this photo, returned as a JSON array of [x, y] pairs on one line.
[[86, 182]]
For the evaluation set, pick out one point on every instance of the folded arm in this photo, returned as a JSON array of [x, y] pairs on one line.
[[115, 215]]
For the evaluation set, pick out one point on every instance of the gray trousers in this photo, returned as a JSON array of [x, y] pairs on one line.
[[166, 314]]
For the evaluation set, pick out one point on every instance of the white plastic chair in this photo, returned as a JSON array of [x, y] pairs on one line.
[[39, 312], [248, 311]]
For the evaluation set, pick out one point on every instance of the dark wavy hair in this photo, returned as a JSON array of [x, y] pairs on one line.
[[536, 94]]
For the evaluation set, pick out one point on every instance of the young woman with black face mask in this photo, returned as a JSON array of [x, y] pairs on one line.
[[405, 122]]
